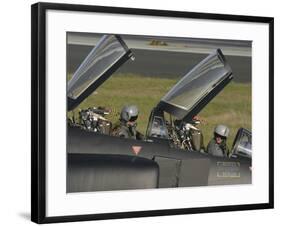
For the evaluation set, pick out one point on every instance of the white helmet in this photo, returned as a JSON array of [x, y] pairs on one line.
[[129, 113], [222, 130]]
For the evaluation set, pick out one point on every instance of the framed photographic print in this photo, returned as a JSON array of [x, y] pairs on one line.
[[139, 112]]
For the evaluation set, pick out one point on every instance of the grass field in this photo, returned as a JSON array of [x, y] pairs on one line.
[[231, 107]]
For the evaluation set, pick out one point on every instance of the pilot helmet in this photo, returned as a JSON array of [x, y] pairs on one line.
[[129, 113], [222, 131]]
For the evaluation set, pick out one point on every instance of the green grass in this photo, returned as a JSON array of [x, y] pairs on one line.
[[231, 107]]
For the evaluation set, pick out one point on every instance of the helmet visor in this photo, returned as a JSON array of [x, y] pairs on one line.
[[220, 136], [133, 119]]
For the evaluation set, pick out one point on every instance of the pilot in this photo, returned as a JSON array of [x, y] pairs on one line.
[[217, 146], [127, 127]]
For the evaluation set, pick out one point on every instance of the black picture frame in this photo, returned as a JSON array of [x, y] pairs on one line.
[[38, 110]]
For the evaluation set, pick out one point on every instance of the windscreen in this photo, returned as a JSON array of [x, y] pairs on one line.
[[196, 84], [107, 51], [243, 143], [158, 128]]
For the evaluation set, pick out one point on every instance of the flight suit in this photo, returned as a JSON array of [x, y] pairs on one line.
[[218, 150], [122, 130]]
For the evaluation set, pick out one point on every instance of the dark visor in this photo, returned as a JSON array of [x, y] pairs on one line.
[[217, 135], [134, 118]]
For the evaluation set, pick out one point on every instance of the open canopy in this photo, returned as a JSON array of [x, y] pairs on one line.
[[197, 87], [106, 57]]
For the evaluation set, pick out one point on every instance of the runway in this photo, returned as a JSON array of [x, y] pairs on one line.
[[171, 60], [166, 64]]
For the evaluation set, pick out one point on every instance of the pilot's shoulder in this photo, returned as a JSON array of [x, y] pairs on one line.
[[211, 145], [211, 142]]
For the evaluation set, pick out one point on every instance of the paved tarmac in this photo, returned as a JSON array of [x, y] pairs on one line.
[[162, 63]]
